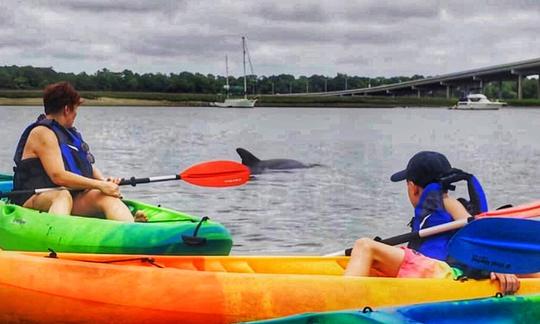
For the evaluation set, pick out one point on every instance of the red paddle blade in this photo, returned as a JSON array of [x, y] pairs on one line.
[[216, 174]]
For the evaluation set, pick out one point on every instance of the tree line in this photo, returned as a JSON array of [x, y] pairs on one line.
[[35, 78]]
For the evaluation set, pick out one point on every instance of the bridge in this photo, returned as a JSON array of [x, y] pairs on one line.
[[465, 81]]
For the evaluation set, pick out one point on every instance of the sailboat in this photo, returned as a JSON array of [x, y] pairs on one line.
[[242, 102]]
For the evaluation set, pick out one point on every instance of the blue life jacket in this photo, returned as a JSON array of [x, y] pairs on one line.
[[30, 174], [430, 212]]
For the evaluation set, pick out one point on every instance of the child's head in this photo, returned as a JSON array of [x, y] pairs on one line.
[[423, 168]]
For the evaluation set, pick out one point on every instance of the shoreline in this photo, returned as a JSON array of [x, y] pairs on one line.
[[128, 102], [116, 102], [102, 101], [309, 102]]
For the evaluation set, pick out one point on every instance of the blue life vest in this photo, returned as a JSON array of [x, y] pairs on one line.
[[430, 212], [30, 174]]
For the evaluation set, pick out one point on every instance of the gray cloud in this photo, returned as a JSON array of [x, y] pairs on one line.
[[389, 11], [122, 6], [371, 38], [171, 45], [290, 11]]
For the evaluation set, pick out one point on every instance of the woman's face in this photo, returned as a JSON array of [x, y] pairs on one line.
[[70, 114]]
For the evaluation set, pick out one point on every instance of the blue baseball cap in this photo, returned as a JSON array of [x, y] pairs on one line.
[[424, 168]]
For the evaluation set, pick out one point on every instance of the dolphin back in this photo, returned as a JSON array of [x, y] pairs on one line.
[[247, 158]]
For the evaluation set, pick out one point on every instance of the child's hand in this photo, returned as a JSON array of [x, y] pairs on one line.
[[508, 283]]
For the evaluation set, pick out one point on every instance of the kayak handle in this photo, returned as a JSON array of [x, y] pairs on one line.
[[195, 240]]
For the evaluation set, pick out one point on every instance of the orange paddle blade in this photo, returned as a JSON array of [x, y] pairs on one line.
[[529, 210], [216, 174]]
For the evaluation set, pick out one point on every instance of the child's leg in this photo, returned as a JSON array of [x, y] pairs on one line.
[[368, 254]]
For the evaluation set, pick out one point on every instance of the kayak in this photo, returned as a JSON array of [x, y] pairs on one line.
[[6, 182], [166, 232], [507, 309], [203, 289], [6, 185], [5, 177]]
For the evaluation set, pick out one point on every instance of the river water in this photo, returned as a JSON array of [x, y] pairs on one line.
[[305, 211]]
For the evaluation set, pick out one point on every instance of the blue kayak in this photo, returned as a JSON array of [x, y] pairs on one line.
[[508, 309], [6, 183]]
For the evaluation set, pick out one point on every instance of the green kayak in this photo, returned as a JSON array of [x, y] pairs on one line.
[[508, 309], [166, 232]]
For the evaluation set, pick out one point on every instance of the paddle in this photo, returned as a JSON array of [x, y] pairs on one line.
[[498, 244], [205, 174], [522, 211]]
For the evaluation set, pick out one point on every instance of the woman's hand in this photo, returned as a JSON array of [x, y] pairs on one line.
[[110, 188], [113, 180], [508, 283]]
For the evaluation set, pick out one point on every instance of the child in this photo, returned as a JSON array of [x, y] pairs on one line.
[[433, 206]]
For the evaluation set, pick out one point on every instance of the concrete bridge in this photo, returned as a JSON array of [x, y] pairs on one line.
[[465, 81]]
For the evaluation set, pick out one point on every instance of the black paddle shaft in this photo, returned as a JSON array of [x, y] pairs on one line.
[[394, 240], [131, 181], [134, 181]]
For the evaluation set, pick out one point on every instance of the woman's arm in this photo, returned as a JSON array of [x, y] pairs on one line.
[[43, 144]]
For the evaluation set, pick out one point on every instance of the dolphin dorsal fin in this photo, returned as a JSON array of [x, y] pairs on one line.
[[247, 157]]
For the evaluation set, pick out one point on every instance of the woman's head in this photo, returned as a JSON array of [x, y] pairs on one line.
[[58, 96]]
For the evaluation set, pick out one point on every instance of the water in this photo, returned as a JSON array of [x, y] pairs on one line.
[[308, 211]]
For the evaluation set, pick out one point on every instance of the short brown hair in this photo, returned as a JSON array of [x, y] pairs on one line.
[[57, 95]]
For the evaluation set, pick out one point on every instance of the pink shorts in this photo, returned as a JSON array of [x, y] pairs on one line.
[[417, 265]]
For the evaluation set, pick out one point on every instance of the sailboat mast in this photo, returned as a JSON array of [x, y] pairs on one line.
[[244, 61], [227, 74]]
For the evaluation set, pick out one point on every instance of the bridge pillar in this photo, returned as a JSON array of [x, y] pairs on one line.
[[481, 84], [538, 86], [520, 87], [500, 90], [418, 94], [448, 91]]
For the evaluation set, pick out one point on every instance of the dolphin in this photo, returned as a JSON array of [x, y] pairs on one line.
[[258, 166]]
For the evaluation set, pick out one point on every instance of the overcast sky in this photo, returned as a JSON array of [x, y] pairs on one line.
[[300, 37]]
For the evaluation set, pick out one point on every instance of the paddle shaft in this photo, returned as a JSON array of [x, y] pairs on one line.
[[132, 181], [403, 238], [221, 173]]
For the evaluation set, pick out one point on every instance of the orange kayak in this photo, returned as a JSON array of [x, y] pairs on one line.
[[203, 289]]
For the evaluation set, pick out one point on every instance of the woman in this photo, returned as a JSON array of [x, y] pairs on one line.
[[52, 153]]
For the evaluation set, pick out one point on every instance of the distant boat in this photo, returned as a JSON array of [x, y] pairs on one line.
[[242, 102], [477, 102]]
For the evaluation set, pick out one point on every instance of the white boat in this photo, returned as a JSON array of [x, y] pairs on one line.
[[236, 103], [242, 102], [477, 102]]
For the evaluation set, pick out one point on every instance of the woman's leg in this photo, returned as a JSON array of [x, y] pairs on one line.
[[94, 202], [368, 255], [57, 202]]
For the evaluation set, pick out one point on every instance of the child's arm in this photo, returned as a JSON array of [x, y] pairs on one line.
[[455, 208]]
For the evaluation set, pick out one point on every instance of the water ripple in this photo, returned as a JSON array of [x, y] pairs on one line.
[[306, 211]]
